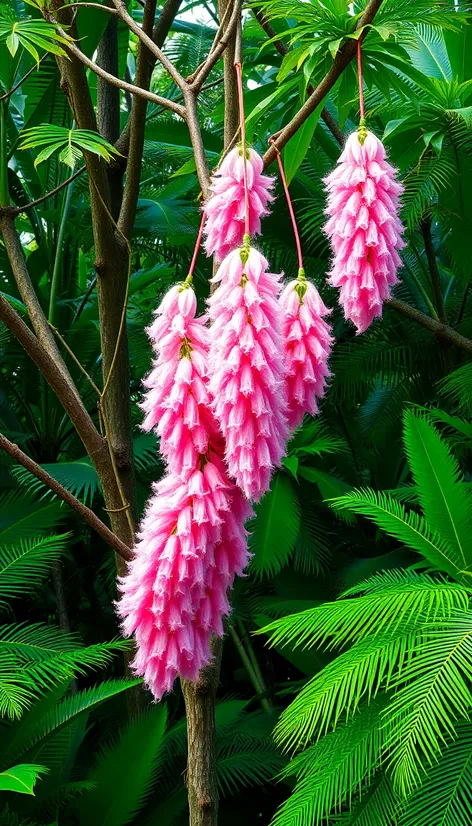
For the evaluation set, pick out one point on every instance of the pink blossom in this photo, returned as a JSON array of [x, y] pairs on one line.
[[307, 341], [166, 580], [364, 228], [176, 403], [225, 209], [246, 367]]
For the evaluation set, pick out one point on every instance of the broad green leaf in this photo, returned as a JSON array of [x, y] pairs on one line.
[[21, 779]]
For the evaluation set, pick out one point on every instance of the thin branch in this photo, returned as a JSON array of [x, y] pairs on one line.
[[159, 34], [85, 513], [425, 226], [217, 49], [22, 80], [18, 210], [92, 6], [282, 49], [115, 81], [341, 61], [443, 331], [28, 293], [64, 389], [149, 42]]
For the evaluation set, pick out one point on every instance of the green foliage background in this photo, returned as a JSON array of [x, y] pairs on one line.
[[345, 690]]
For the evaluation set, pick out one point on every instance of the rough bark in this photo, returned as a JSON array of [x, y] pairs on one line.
[[201, 733]]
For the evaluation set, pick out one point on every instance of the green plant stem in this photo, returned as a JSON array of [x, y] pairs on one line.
[[246, 640], [4, 194], [249, 667], [67, 200], [422, 290]]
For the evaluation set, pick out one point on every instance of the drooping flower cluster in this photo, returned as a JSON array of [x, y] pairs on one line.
[[191, 543], [223, 397], [246, 364], [176, 403], [307, 340], [364, 227], [225, 209]]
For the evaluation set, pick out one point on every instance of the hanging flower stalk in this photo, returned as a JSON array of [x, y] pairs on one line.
[[247, 378], [364, 225], [192, 540], [241, 194], [306, 335]]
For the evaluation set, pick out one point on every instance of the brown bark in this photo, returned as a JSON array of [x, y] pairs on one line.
[[201, 733]]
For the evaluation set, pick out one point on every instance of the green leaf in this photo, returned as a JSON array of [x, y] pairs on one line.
[[295, 151], [445, 500], [21, 779], [24, 566], [406, 526], [112, 804], [435, 694], [275, 528]]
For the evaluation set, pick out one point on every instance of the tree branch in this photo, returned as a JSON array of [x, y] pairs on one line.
[[282, 49], [137, 128], [27, 291], [115, 81], [437, 327], [342, 59], [217, 49], [159, 34], [149, 42], [196, 139], [64, 389], [85, 513], [18, 210]]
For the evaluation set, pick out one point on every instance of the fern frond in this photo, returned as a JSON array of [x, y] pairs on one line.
[[435, 694], [338, 689], [25, 564], [390, 600], [446, 502], [407, 526], [332, 770]]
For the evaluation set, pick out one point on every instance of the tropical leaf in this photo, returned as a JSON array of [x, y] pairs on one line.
[[275, 528], [446, 502], [70, 143], [25, 565], [21, 779]]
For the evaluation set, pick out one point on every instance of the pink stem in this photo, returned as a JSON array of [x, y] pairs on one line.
[[197, 247], [359, 72], [290, 207], [239, 77]]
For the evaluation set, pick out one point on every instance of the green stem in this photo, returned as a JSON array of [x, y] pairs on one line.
[[249, 667], [59, 250], [422, 290], [4, 194], [251, 654]]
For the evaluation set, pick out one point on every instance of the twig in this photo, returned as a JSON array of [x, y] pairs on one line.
[[22, 80], [341, 61], [115, 81], [18, 210], [437, 327], [149, 42], [216, 50], [85, 513]]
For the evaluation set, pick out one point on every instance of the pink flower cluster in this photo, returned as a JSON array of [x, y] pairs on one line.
[[223, 397], [364, 228], [192, 541], [307, 341], [246, 365], [225, 209]]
